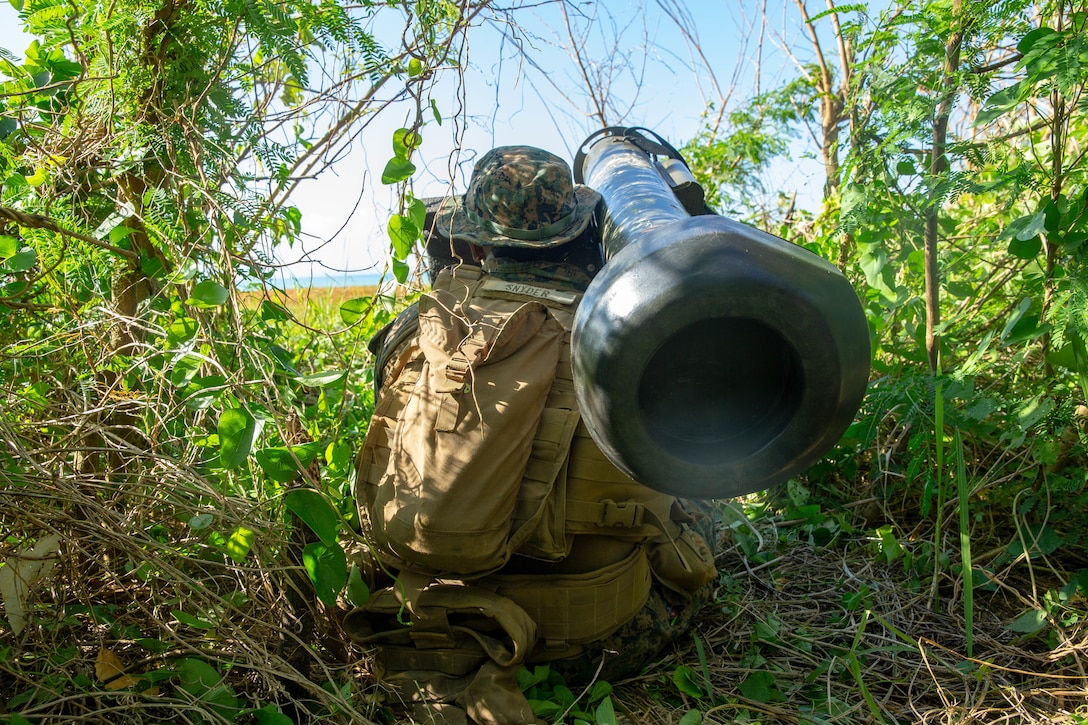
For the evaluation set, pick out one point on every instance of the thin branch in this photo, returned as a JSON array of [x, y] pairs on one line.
[[38, 221]]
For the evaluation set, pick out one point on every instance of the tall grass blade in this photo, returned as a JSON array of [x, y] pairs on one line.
[[938, 477], [965, 546]]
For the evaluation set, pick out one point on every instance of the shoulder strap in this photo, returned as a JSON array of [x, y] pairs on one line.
[[391, 337]]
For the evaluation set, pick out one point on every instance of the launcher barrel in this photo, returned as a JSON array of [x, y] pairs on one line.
[[711, 359]]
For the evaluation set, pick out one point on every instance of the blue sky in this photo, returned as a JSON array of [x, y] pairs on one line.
[[661, 80]]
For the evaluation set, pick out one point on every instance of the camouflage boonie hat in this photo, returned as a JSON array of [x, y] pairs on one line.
[[519, 196]]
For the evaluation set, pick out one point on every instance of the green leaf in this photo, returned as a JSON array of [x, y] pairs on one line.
[[16, 181], [185, 271], [321, 380], [315, 512], [353, 310], [1026, 249], [1023, 326], [278, 463], [156, 646], [1045, 56], [293, 215], [1033, 37], [768, 630], [237, 430], [435, 112], [201, 522], [415, 67], [1073, 241], [405, 141], [606, 713], [180, 330], [691, 717], [1029, 622], [339, 454], [202, 681], [1052, 215], [282, 358], [980, 582], [21, 261], [152, 266], [203, 391], [600, 690], [838, 10], [327, 566], [872, 264], [197, 676], [275, 312], [1002, 102], [357, 592], [403, 233], [1035, 226], [208, 293], [1034, 410], [8, 246], [759, 686], [191, 621], [686, 682], [1064, 357], [959, 288], [417, 213], [269, 715], [41, 173], [563, 695], [184, 369], [853, 197], [545, 708], [889, 544], [14, 289], [1041, 540], [239, 544], [397, 170], [119, 234], [1026, 328], [1017, 315], [400, 271]]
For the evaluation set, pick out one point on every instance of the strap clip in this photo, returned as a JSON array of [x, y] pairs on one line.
[[457, 369], [622, 515]]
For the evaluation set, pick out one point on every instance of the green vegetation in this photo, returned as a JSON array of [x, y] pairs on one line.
[[176, 485]]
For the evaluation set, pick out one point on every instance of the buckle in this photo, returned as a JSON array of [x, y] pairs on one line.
[[457, 369], [622, 515]]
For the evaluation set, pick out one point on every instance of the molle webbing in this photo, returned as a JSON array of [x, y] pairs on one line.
[[573, 609], [439, 614], [603, 499], [447, 660]]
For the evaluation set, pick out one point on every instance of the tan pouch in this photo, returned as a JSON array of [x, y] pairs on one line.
[[684, 564], [459, 447]]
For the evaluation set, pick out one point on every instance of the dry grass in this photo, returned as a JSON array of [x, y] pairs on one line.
[[897, 656], [305, 303], [298, 299], [130, 562], [788, 618]]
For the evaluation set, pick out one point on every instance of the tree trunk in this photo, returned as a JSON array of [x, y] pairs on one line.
[[938, 165]]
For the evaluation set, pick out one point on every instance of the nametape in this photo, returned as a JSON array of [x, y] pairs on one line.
[[491, 284]]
